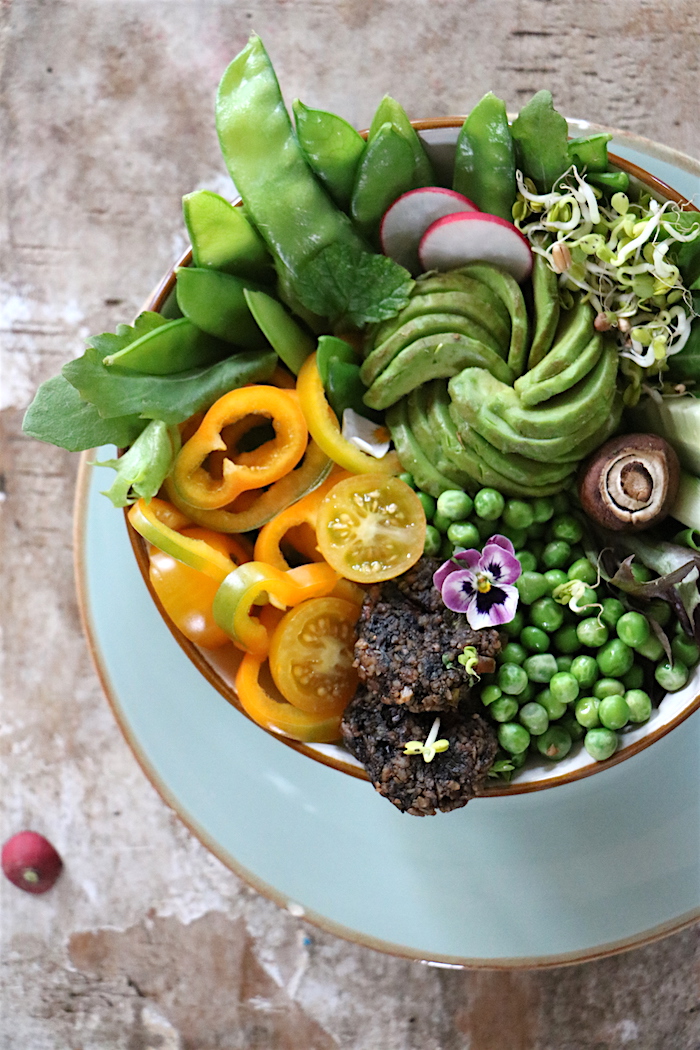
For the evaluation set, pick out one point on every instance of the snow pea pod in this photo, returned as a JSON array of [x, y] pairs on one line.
[[590, 151], [332, 147], [222, 238], [390, 112], [287, 204], [541, 141], [384, 173], [215, 302], [485, 158]]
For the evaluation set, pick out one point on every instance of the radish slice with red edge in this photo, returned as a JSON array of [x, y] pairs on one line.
[[407, 219], [467, 237]]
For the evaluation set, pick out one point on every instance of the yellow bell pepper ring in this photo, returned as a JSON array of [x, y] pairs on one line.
[[241, 471], [325, 429], [257, 583], [279, 716], [301, 513], [149, 520]]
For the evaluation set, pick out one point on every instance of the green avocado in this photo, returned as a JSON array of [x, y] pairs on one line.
[[430, 440], [410, 454], [572, 337], [534, 393], [545, 295], [508, 291]]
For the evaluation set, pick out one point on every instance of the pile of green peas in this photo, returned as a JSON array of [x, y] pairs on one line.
[[563, 675]]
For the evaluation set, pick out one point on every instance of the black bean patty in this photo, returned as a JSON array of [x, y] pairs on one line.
[[406, 637], [376, 735]]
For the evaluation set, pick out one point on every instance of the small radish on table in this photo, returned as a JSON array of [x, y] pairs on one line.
[[408, 218], [467, 237], [31, 862]]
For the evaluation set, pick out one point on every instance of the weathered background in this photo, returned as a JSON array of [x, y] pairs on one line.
[[147, 940]]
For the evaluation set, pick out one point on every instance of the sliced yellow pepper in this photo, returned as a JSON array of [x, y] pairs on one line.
[[258, 583], [325, 429], [279, 716], [303, 512], [149, 520]]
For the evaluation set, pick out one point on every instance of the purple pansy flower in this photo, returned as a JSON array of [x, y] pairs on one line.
[[480, 584]]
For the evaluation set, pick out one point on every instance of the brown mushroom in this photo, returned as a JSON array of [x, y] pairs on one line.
[[630, 482]]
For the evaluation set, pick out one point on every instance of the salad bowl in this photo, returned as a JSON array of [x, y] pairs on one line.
[[219, 667]]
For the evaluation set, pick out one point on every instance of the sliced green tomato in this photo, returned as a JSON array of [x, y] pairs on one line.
[[172, 347], [287, 338], [222, 238], [215, 303]]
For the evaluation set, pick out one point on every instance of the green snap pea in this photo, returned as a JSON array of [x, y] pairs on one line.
[[566, 639], [534, 639], [685, 650], [612, 611], [615, 658], [586, 712], [608, 687], [512, 679], [592, 633], [541, 667], [600, 743], [427, 503], [386, 171], [554, 743], [504, 709], [639, 704], [585, 670], [556, 554], [285, 336], [332, 147], [564, 687], [534, 717], [513, 737], [671, 677], [518, 514], [464, 534], [555, 578], [554, 708], [633, 628], [489, 504], [528, 561], [581, 569], [484, 169], [546, 614], [223, 239], [455, 504], [433, 541], [531, 586], [614, 712], [513, 653], [652, 648]]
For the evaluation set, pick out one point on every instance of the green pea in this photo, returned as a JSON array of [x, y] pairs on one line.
[[614, 712], [542, 509], [651, 648], [585, 670], [433, 541], [534, 639], [556, 554], [534, 717], [455, 504], [512, 653], [441, 523], [531, 586], [554, 708], [547, 614], [541, 667], [464, 534], [528, 561], [518, 760], [608, 687], [516, 624], [641, 573], [518, 537], [566, 527], [573, 728], [564, 687], [566, 639], [612, 611], [588, 603], [633, 628], [512, 679], [660, 611], [634, 679], [428, 504], [586, 712], [685, 650], [592, 633], [489, 504], [555, 578], [490, 693], [504, 709], [600, 743], [670, 677], [513, 737], [555, 743], [560, 503], [639, 704], [408, 479], [536, 531], [485, 527], [518, 514], [581, 569], [615, 658], [564, 663]]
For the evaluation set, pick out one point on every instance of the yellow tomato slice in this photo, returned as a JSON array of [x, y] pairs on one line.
[[371, 527], [311, 655]]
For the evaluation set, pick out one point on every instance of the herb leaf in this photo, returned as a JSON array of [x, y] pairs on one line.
[[142, 470], [541, 141], [345, 282], [109, 343], [59, 416]]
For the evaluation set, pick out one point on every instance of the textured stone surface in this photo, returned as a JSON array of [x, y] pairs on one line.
[[147, 941]]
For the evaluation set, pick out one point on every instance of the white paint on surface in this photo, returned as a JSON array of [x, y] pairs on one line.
[[165, 1036]]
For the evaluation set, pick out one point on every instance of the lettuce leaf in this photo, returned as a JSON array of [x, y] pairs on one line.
[[142, 470]]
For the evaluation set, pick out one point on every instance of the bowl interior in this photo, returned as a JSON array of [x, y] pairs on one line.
[[219, 666]]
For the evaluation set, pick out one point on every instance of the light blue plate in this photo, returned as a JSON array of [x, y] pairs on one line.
[[566, 874]]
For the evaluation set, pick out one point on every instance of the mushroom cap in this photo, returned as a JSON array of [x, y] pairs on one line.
[[630, 482]]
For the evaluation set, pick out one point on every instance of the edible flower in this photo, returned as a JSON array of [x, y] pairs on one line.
[[431, 747], [480, 583]]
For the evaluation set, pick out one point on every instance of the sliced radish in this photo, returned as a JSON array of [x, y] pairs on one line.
[[468, 236], [408, 218]]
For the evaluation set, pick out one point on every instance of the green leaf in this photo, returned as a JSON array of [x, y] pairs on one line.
[[172, 398], [345, 282], [541, 141], [142, 470], [109, 343], [59, 416]]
